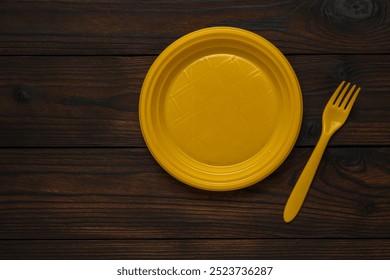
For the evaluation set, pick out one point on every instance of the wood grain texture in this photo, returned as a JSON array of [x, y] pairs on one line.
[[124, 194], [59, 101], [259, 249], [82, 101], [147, 27], [77, 182]]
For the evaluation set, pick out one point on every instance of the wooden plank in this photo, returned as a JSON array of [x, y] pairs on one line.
[[128, 28], [70, 101], [370, 116], [93, 101], [275, 249], [123, 193]]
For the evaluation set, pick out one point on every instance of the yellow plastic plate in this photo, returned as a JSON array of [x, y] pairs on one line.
[[220, 108]]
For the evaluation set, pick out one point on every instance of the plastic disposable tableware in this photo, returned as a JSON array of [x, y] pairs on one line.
[[335, 114], [220, 108]]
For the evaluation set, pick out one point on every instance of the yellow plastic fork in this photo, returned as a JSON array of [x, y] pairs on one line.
[[335, 114]]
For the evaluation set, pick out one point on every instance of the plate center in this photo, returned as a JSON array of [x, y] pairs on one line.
[[220, 109]]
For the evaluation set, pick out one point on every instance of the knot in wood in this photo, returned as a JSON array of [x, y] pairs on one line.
[[342, 73], [22, 96], [355, 9], [346, 14], [313, 129]]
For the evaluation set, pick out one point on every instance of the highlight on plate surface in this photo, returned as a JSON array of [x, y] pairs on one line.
[[220, 108]]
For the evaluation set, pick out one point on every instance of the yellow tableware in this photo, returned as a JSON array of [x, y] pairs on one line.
[[335, 114], [220, 108]]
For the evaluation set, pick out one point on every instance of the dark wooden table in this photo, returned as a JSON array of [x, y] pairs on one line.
[[77, 181]]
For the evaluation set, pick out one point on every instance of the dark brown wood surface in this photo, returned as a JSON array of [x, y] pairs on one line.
[[93, 101], [125, 27], [275, 248], [77, 181]]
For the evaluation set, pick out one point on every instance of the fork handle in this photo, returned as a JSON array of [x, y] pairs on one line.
[[302, 186]]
